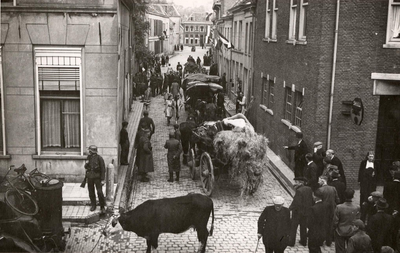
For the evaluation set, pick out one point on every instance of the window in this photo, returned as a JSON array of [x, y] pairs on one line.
[[292, 19], [299, 111], [240, 35], [393, 23], [201, 28], [268, 97], [303, 20], [187, 28], [197, 28], [271, 19], [288, 104], [58, 84], [186, 41], [191, 28], [246, 37], [2, 126]]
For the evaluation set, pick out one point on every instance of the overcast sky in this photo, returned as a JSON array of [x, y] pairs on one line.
[[194, 3]]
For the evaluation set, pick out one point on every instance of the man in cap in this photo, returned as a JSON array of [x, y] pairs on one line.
[[124, 142], [380, 227], [339, 185], [274, 226], [174, 151], [368, 208], [331, 199], [300, 207], [300, 150], [336, 161], [318, 157], [360, 241], [95, 174], [343, 219], [317, 224]]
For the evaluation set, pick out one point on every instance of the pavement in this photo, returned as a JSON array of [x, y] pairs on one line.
[[236, 216]]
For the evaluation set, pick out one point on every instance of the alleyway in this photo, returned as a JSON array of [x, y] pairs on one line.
[[235, 227]]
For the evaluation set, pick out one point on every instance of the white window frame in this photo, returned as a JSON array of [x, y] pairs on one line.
[[3, 123], [268, 16], [57, 51], [271, 20], [288, 104], [303, 20], [274, 20], [392, 42], [292, 20], [298, 108]]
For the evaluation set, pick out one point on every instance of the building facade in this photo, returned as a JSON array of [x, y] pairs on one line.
[[196, 30], [341, 88], [65, 82]]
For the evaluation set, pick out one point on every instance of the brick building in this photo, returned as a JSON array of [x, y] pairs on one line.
[[339, 88], [65, 78], [197, 28]]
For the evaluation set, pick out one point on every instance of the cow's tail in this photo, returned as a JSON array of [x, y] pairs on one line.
[[212, 222]]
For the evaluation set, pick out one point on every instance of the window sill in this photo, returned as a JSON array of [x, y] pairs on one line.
[[295, 129], [292, 127], [391, 45], [301, 42], [286, 122], [59, 157], [5, 157], [237, 51], [270, 40], [293, 42], [266, 109]]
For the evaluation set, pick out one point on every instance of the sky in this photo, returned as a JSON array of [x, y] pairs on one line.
[[194, 3]]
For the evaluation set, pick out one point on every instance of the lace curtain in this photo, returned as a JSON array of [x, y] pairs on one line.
[[396, 22]]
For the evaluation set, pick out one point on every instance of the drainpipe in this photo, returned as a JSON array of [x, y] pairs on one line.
[[328, 142]]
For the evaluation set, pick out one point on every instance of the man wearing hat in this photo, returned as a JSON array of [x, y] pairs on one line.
[[339, 185], [336, 161], [343, 219], [368, 208], [274, 226], [318, 157], [300, 207], [300, 150], [380, 227], [124, 142], [174, 151], [317, 224], [95, 174], [146, 124], [360, 241]]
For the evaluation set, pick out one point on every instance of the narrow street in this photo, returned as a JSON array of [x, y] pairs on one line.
[[235, 227]]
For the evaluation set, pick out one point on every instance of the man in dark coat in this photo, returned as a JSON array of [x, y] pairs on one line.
[[144, 157], [300, 207], [146, 124], [186, 133], [223, 82], [343, 219], [360, 242], [124, 142], [300, 150], [391, 192], [318, 157], [339, 186], [310, 172], [336, 161], [368, 208], [331, 199], [316, 224], [367, 176], [95, 174], [274, 226], [174, 151], [380, 227]]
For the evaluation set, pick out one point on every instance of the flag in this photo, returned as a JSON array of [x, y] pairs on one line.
[[225, 41]]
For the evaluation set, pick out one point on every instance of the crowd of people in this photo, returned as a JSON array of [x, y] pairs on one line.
[[324, 210]]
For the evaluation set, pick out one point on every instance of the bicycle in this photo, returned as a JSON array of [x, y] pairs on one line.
[[19, 199]]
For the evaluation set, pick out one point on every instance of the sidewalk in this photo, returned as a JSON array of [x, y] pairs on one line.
[[76, 202]]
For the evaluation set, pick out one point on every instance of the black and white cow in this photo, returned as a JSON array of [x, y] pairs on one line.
[[169, 215]]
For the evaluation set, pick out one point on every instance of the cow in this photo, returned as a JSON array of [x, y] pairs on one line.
[[168, 215]]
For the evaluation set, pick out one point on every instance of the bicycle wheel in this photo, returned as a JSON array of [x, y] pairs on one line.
[[21, 202]]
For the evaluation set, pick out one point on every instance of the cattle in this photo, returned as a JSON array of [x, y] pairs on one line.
[[169, 215]]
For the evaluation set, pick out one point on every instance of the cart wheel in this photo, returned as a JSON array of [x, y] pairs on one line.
[[21, 202], [192, 164], [206, 173]]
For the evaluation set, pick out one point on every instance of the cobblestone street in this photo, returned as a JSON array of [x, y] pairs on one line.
[[235, 228]]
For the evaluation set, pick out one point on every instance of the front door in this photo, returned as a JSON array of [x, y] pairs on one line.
[[388, 134]]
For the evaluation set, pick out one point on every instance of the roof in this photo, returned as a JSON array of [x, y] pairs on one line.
[[165, 9], [198, 17], [241, 3]]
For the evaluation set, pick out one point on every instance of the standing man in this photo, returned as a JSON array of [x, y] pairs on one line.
[[339, 186], [186, 133], [95, 174], [144, 157], [318, 157], [336, 161], [274, 226], [300, 207], [345, 215], [360, 241], [146, 124], [174, 151], [300, 150], [317, 224], [179, 69], [124, 142], [223, 82], [310, 172]]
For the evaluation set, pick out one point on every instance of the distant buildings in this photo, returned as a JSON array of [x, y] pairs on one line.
[[197, 28]]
